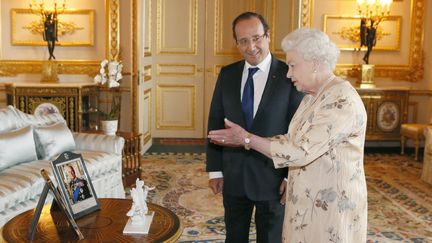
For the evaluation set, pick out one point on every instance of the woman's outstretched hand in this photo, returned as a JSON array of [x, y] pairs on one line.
[[232, 136]]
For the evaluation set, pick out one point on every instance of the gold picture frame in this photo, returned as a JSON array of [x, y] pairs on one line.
[[411, 68], [10, 68], [76, 28], [345, 32]]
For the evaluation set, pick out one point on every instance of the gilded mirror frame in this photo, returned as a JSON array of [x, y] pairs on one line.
[[10, 68], [412, 72]]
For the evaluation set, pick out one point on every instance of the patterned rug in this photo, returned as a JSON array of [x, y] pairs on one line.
[[400, 204]]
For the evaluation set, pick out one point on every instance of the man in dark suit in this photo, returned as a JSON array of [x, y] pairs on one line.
[[256, 94]]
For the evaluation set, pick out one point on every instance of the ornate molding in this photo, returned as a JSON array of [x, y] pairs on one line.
[[113, 38], [306, 13], [11, 68], [134, 76]]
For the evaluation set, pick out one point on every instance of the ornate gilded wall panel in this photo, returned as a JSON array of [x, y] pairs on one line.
[[176, 69], [225, 12], [180, 36], [170, 114], [10, 67], [409, 70]]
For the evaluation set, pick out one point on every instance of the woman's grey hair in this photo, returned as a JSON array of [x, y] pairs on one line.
[[312, 44]]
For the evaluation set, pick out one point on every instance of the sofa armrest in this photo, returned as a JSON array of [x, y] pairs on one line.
[[99, 142]]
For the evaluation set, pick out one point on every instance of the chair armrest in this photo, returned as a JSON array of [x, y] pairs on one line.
[[99, 142]]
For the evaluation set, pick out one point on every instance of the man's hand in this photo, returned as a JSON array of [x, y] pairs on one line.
[[216, 185], [282, 192]]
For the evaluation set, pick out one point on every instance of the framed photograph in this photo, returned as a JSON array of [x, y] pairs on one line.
[[75, 184]]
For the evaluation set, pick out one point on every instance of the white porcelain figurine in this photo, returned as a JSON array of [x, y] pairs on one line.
[[139, 207]]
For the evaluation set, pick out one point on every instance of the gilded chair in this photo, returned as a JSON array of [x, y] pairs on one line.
[[414, 131]]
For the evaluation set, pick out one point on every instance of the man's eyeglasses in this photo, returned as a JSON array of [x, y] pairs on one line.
[[254, 40]]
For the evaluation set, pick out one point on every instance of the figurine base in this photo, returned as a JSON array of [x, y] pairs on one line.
[[142, 228]]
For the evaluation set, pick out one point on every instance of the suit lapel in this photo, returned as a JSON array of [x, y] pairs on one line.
[[268, 89], [235, 87]]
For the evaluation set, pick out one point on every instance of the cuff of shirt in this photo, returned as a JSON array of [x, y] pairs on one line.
[[215, 174]]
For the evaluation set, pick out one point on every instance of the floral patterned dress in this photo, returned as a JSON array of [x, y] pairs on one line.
[[326, 193]]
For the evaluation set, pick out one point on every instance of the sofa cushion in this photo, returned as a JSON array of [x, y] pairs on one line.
[[9, 119], [52, 140], [39, 120], [17, 146]]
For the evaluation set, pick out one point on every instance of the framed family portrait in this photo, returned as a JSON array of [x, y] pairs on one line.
[[75, 184]]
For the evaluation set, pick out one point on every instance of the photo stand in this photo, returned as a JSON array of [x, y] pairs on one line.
[[74, 184], [57, 203]]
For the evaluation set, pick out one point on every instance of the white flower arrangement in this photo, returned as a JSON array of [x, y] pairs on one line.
[[113, 76]]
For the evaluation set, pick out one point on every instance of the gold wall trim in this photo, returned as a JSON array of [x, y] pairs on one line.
[[113, 31], [219, 32], [135, 79], [193, 27], [180, 69], [148, 29], [412, 72], [10, 68], [13, 67], [64, 26], [306, 13], [158, 109], [147, 135], [147, 73], [3, 96], [217, 69], [427, 93]]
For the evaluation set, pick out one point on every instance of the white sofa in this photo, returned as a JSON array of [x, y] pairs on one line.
[[20, 180]]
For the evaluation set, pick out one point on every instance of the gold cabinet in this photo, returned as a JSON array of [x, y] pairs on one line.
[[386, 109], [77, 102]]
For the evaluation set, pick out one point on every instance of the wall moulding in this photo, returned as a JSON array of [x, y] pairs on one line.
[[413, 65], [75, 28], [10, 67]]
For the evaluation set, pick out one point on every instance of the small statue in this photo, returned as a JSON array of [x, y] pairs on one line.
[[50, 32], [368, 36], [139, 206]]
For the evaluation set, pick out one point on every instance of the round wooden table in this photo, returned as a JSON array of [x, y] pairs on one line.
[[104, 225]]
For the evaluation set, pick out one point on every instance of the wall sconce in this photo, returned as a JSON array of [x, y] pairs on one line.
[[371, 12]]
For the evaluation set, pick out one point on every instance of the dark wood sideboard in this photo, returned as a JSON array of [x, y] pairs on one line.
[[386, 109], [77, 102]]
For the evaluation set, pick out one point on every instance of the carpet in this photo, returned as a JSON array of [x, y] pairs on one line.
[[400, 204]]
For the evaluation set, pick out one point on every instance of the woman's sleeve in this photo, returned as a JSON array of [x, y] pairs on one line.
[[335, 119]]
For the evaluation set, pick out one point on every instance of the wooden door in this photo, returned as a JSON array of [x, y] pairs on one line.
[[187, 42], [178, 64], [145, 65]]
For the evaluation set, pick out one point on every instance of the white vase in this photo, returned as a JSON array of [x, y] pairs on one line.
[[109, 127]]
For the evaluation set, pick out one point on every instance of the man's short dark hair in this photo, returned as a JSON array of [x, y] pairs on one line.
[[249, 15]]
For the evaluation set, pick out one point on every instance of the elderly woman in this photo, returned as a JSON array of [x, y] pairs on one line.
[[326, 197]]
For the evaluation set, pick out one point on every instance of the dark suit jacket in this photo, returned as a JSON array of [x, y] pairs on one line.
[[249, 172]]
